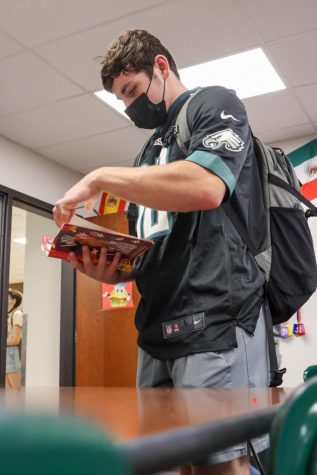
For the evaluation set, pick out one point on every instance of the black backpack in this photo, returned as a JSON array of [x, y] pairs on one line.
[[288, 259]]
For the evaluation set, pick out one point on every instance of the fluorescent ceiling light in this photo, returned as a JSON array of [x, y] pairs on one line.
[[249, 74], [21, 240], [112, 101]]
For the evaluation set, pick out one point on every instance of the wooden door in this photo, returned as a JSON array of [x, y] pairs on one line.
[[106, 349]]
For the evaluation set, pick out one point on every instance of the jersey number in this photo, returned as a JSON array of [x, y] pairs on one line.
[[154, 223]]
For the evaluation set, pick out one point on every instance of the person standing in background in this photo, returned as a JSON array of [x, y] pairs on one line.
[[14, 337]]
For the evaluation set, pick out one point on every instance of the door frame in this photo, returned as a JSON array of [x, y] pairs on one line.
[[8, 198]]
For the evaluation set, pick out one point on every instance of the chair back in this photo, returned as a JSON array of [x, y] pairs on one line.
[[293, 435], [310, 372], [32, 444]]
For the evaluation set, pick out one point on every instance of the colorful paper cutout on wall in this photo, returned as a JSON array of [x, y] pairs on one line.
[[117, 296], [110, 204]]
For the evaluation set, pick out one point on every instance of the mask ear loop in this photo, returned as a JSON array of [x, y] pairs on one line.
[[163, 91], [149, 85]]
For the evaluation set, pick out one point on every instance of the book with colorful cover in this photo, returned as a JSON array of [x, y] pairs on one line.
[[73, 235]]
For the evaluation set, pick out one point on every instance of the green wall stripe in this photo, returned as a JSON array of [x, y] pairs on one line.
[[301, 154]]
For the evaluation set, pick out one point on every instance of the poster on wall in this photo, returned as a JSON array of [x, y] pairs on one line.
[[117, 296], [304, 160], [110, 204]]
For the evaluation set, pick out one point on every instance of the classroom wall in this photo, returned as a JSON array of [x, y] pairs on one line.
[[30, 173], [299, 352], [41, 304], [34, 175]]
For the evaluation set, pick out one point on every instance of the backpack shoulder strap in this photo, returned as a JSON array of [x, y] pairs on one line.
[[181, 124], [237, 222], [282, 184], [139, 157]]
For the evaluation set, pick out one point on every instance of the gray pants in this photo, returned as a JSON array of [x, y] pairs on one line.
[[245, 366]]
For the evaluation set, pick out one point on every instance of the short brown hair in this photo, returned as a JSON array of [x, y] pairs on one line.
[[135, 50]]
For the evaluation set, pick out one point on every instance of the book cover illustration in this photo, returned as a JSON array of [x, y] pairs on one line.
[[73, 235]]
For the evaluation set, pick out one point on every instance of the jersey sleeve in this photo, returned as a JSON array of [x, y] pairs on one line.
[[220, 135]]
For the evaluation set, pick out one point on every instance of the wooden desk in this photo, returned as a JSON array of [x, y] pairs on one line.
[[128, 413]]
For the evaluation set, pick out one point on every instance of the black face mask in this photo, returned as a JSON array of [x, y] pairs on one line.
[[145, 114]]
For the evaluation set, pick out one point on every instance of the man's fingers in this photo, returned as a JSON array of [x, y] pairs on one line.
[[102, 270], [108, 267], [64, 210], [87, 260], [91, 202], [114, 264], [102, 261], [62, 215], [75, 263]]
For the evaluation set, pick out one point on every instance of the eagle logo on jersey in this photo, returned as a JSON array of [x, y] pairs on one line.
[[226, 137]]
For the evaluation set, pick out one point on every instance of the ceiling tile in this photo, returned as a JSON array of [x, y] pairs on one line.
[[277, 19], [199, 31], [277, 135], [274, 111], [308, 97], [27, 82], [36, 21], [115, 148], [8, 45], [61, 122], [85, 49], [297, 57], [211, 38], [45, 106]]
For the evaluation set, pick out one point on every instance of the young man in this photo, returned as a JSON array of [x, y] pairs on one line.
[[200, 318]]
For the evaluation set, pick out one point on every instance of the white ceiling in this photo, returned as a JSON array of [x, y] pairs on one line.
[[49, 69]]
